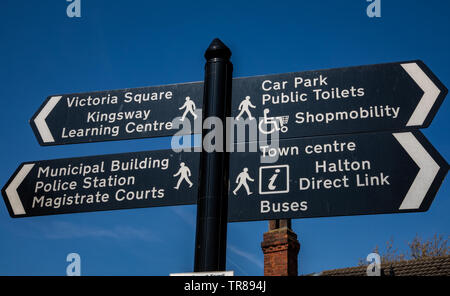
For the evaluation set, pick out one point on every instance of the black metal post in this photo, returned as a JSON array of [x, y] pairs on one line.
[[211, 234]]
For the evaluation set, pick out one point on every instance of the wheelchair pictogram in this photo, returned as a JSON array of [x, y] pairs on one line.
[[277, 123]]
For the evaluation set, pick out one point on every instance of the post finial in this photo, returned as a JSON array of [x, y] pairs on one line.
[[217, 49]]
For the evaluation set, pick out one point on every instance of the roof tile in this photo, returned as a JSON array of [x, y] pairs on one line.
[[433, 266]]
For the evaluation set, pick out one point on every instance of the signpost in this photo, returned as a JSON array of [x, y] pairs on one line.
[[357, 174], [130, 113], [211, 228], [99, 183], [345, 142], [395, 96]]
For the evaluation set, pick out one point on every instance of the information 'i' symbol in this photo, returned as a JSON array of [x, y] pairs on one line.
[[272, 180]]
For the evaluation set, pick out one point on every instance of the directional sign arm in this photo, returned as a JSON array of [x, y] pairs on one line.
[[40, 122], [36, 188], [389, 97], [379, 173]]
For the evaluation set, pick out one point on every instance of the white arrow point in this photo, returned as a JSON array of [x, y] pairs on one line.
[[428, 169], [11, 191], [431, 92], [41, 125]]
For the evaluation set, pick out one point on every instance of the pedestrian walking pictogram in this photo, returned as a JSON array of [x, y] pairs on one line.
[[241, 180], [184, 172], [244, 108], [189, 105]]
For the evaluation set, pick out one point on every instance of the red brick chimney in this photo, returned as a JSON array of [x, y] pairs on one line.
[[280, 247]]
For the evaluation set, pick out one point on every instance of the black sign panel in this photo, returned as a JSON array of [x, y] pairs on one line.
[[324, 176], [106, 182], [395, 96], [118, 114]]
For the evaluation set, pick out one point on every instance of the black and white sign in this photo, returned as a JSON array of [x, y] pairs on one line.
[[356, 174], [106, 182], [395, 96], [117, 114]]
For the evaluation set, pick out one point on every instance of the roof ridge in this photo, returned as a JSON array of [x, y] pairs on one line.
[[420, 265]]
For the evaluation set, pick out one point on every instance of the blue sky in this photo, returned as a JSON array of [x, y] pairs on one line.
[[122, 44]]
